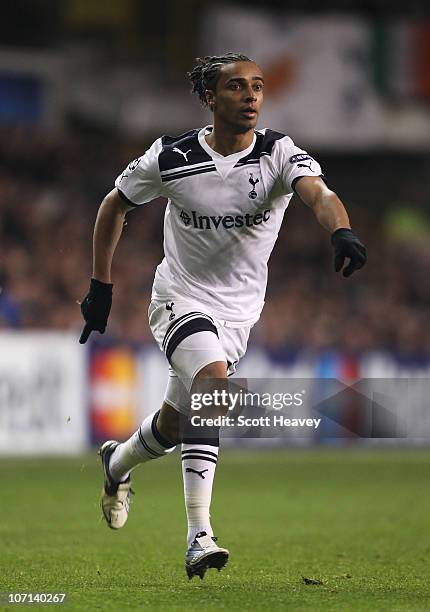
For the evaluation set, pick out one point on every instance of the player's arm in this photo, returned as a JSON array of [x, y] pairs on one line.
[[138, 184], [331, 214], [96, 305], [107, 232], [326, 205]]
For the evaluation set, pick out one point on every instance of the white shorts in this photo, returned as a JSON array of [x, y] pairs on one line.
[[191, 338]]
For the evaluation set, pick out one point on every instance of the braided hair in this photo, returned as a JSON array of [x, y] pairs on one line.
[[206, 72]]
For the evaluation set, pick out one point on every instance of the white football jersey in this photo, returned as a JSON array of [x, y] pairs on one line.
[[222, 217]]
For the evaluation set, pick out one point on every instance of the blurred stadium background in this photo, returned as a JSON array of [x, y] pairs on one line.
[[86, 86], [92, 86]]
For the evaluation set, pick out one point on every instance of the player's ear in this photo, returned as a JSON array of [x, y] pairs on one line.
[[210, 99]]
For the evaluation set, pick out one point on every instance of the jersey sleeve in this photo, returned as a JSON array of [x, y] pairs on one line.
[[294, 163], [140, 182]]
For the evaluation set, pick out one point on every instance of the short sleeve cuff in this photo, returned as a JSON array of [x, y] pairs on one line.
[[125, 198]]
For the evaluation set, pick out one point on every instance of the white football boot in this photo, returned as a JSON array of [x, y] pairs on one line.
[[115, 501], [203, 554]]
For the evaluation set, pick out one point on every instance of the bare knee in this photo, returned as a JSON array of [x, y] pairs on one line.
[[216, 369]]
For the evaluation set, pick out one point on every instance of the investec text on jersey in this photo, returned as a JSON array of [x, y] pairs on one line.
[[227, 221]]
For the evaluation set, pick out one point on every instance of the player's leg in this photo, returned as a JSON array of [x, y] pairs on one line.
[[200, 448], [192, 341], [146, 444], [199, 460], [200, 365], [201, 359]]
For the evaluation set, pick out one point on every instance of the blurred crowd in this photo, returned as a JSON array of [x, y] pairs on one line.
[[51, 186]]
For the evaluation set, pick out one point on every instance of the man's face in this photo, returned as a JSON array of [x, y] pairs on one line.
[[238, 96]]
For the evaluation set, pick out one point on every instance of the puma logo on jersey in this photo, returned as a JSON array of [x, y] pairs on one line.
[[305, 166], [199, 472], [182, 152], [253, 194]]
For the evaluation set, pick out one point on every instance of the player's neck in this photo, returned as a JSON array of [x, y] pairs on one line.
[[225, 142]]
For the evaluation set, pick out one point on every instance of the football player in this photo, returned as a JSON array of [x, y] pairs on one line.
[[228, 186]]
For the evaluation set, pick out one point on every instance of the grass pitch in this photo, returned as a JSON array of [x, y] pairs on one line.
[[354, 524]]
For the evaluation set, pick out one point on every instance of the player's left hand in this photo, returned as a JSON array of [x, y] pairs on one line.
[[346, 244]]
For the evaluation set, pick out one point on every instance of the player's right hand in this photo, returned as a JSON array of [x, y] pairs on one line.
[[347, 246], [95, 308]]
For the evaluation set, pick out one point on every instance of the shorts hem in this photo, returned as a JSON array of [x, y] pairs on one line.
[[172, 404], [200, 368]]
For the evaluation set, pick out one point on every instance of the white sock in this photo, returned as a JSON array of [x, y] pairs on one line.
[[145, 444], [198, 470]]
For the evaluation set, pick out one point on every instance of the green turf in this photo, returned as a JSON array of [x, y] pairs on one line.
[[358, 521]]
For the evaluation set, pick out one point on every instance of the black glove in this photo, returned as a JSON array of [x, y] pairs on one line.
[[95, 308], [346, 244]]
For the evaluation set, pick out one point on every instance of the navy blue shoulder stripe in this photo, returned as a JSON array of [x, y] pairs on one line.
[[263, 146], [182, 150]]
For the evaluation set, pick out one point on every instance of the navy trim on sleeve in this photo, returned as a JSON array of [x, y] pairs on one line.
[[293, 184], [126, 200]]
